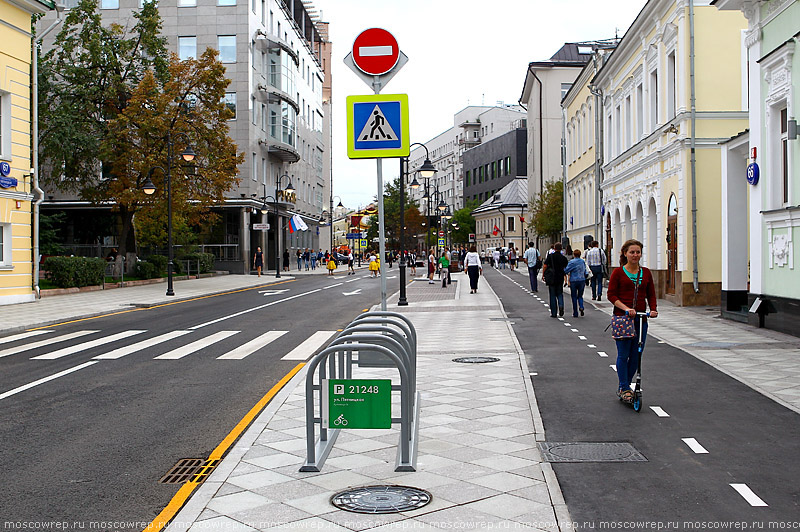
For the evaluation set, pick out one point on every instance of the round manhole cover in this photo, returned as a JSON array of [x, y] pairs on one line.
[[593, 452], [475, 360], [381, 499]]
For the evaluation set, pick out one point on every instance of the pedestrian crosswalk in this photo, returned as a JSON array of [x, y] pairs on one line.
[[172, 345]]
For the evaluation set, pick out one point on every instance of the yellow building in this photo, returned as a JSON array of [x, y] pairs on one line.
[[672, 91], [16, 191]]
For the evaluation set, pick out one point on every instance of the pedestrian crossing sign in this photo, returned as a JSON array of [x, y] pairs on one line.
[[377, 126]]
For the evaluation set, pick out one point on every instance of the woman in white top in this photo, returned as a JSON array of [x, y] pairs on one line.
[[472, 262]]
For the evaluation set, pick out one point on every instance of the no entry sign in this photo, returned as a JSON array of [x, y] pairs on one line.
[[375, 51]]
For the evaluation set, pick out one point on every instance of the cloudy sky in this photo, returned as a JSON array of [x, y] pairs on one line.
[[461, 52]]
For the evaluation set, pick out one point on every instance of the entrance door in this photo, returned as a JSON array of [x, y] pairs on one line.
[[672, 252], [609, 241]]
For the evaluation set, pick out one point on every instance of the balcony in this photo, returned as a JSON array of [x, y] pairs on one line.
[[275, 95], [285, 152], [469, 141]]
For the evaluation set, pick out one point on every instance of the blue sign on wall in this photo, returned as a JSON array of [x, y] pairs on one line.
[[752, 173], [5, 169]]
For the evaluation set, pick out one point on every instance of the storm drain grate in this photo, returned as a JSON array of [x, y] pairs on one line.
[[475, 360], [194, 469], [590, 452], [381, 499]]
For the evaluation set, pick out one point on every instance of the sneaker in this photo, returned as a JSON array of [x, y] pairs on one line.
[[431, 282], [561, 311], [581, 312]]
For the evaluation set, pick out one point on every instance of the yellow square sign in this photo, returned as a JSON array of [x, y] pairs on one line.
[[377, 126]]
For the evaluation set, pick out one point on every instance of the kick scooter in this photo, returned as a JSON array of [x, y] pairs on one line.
[[637, 391]]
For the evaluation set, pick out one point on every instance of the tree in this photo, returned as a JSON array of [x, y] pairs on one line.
[[466, 223], [547, 210], [391, 214], [187, 109]]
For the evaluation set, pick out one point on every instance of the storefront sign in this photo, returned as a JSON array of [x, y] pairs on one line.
[[287, 196]]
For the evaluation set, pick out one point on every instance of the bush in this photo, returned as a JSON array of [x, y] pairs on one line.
[[160, 264], [68, 272], [146, 270], [206, 261]]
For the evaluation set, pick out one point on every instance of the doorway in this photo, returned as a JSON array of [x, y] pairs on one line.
[[672, 244]]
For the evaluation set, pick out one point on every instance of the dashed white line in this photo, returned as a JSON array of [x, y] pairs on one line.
[[602, 354], [47, 379], [567, 324], [613, 366], [694, 446], [659, 411], [591, 345], [333, 285], [748, 495], [574, 330], [581, 338]]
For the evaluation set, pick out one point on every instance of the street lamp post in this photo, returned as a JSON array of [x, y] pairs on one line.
[[427, 170], [338, 207], [289, 189], [149, 188]]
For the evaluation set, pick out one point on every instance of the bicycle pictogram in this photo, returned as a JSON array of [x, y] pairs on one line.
[[340, 421]]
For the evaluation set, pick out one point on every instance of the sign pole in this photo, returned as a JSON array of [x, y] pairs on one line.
[[377, 85]]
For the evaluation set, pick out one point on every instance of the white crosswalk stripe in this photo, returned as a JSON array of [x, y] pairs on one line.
[[88, 345], [44, 343], [252, 346], [307, 348], [188, 349], [133, 348], [21, 336]]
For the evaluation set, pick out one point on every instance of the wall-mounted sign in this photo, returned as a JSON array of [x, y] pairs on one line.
[[5, 169], [753, 173], [287, 196], [260, 227]]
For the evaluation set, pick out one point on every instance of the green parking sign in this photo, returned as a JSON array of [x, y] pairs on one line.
[[357, 404]]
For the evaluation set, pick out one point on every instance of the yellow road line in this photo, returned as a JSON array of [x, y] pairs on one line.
[[159, 306], [180, 498]]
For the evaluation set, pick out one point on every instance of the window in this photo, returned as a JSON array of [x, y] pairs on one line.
[[263, 12], [784, 157], [264, 170], [618, 135], [5, 125], [510, 224], [508, 165], [5, 245], [671, 103], [255, 168], [187, 47], [254, 110], [565, 89], [468, 178], [653, 100], [230, 103], [264, 117], [109, 4], [639, 111], [494, 170], [187, 3], [227, 48], [628, 122]]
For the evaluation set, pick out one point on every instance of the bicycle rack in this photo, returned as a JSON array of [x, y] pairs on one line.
[[373, 336]]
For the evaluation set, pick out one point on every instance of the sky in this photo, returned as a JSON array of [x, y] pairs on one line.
[[460, 53]]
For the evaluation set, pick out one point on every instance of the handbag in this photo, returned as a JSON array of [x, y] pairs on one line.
[[623, 327]]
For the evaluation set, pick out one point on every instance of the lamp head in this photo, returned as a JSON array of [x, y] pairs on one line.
[[442, 205], [289, 188], [340, 206], [148, 187], [427, 169], [264, 209], [188, 154], [414, 184]]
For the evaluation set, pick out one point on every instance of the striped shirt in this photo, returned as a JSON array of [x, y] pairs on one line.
[[594, 257]]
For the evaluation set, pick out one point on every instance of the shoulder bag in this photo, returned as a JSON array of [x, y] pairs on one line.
[[622, 327]]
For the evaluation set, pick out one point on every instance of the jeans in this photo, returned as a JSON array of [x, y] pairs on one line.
[[474, 273], [576, 291], [313, 264], [628, 355], [597, 281], [532, 273], [298, 263], [556, 298]]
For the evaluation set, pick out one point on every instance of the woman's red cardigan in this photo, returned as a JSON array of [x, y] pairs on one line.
[[620, 287]]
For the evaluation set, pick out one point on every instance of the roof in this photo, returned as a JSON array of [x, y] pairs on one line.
[[34, 6], [513, 194]]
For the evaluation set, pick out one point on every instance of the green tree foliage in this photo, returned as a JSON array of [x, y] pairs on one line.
[[466, 223], [49, 238], [547, 210], [391, 209]]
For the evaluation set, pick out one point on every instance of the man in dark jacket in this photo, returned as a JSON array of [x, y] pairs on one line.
[[553, 276]]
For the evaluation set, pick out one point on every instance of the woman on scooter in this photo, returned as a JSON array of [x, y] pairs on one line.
[[622, 288]]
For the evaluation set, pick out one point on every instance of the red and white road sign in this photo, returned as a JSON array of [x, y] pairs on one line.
[[375, 51], [441, 233]]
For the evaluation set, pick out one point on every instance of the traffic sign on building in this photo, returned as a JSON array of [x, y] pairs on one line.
[[377, 126]]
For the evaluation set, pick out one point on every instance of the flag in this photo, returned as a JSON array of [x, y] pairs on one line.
[[522, 219], [496, 230], [297, 224]]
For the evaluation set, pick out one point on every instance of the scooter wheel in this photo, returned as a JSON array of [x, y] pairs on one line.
[[637, 401]]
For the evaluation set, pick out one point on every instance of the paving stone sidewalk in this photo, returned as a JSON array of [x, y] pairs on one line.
[[479, 424]]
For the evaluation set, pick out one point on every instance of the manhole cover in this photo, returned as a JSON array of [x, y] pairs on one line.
[[381, 499], [475, 360], [715, 345], [590, 452]]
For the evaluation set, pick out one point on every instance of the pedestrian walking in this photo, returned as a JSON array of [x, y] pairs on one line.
[[331, 265], [630, 290], [307, 259], [512, 257], [412, 263], [553, 276], [286, 260], [258, 260], [472, 263], [299, 256], [576, 269], [534, 261], [373, 264], [596, 259], [444, 269], [503, 259], [350, 261], [431, 266], [496, 258], [313, 257]]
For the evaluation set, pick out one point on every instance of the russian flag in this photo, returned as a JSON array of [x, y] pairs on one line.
[[297, 224]]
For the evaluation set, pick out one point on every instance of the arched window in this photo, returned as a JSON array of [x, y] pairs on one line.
[[672, 207]]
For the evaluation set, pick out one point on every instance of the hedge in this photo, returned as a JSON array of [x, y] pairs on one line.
[[68, 272], [206, 261]]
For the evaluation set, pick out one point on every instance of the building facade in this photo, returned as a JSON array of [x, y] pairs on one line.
[[472, 126], [273, 52], [500, 220], [761, 218], [16, 177], [672, 91], [493, 164]]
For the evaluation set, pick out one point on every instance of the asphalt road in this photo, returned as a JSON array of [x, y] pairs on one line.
[[90, 446], [749, 439]]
